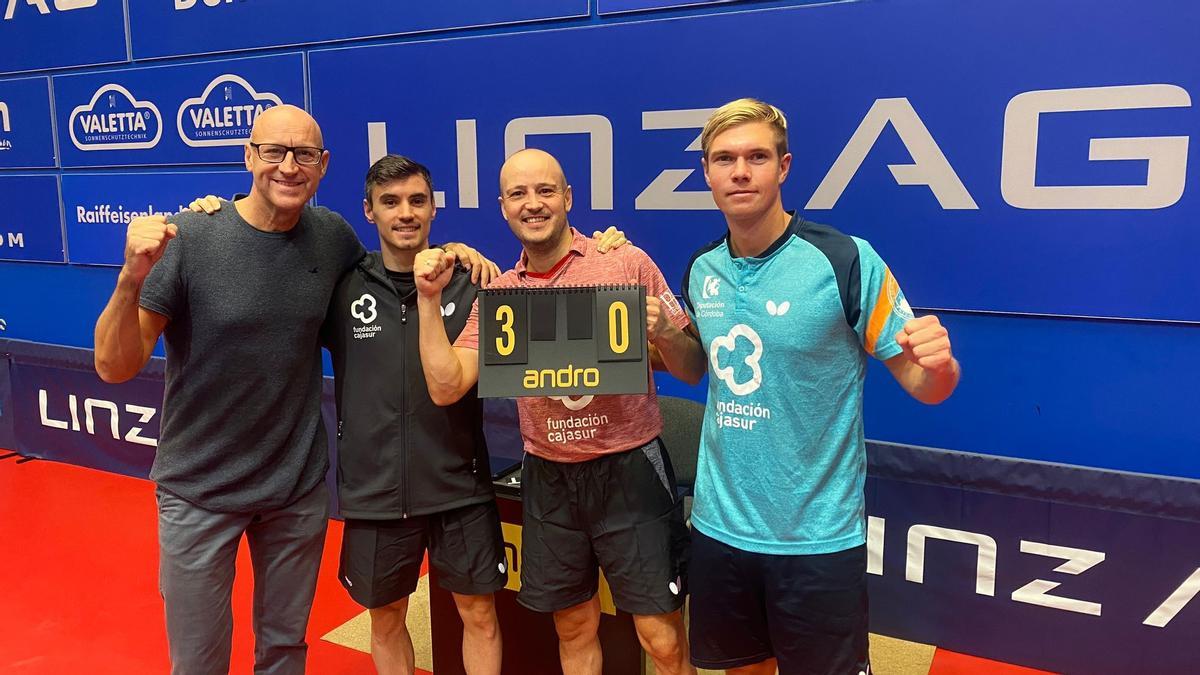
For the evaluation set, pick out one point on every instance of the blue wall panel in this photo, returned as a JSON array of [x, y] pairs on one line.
[[26, 124], [210, 26], [57, 304], [30, 222], [1105, 394], [38, 34], [620, 6]]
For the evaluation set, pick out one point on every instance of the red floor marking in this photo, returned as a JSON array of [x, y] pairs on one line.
[[953, 663], [79, 571]]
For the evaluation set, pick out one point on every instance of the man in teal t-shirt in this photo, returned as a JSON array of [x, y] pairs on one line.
[[787, 312]]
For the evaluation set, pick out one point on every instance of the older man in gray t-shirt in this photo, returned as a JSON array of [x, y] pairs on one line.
[[239, 299]]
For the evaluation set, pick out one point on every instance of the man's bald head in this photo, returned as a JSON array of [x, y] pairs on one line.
[[535, 200], [532, 159], [283, 184], [286, 119]]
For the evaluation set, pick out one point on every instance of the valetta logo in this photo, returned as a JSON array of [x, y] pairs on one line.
[[115, 120], [223, 114], [5, 126]]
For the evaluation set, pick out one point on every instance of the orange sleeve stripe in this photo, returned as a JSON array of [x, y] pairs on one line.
[[879, 313]]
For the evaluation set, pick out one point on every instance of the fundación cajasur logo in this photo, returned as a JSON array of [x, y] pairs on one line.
[[115, 120], [223, 114]]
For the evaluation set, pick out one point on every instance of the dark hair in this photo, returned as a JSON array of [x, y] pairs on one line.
[[395, 167]]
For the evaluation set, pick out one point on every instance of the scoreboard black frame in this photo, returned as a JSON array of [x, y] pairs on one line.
[[563, 341]]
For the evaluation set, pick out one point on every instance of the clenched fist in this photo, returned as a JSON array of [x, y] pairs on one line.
[[926, 343], [657, 321], [145, 241], [432, 270]]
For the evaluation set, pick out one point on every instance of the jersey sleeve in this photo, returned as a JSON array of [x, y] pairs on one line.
[[884, 309]]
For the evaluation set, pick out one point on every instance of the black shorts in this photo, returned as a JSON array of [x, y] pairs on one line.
[[617, 512], [807, 611], [381, 559]]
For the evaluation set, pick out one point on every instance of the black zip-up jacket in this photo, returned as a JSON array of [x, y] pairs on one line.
[[399, 454]]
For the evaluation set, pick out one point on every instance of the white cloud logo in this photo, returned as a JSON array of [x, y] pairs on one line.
[[223, 114], [712, 286], [448, 310], [729, 342], [778, 310], [574, 404], [363, 309], [127, 123]]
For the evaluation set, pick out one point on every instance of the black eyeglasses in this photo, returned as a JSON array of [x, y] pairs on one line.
[[275, 154]]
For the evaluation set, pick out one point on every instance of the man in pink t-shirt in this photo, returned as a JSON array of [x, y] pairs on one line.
[[597, 487]]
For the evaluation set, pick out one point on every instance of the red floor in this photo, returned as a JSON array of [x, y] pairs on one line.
[[79, 561]]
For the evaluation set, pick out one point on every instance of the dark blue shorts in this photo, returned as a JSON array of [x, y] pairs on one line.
[[807, 611], [381, 559], [616, 512]]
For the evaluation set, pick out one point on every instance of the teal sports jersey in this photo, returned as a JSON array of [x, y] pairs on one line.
[[782, 460]]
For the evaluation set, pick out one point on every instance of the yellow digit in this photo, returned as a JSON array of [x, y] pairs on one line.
[[504, 314], [618, 341]]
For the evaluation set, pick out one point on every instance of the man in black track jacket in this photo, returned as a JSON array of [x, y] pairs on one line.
[[411, 475]]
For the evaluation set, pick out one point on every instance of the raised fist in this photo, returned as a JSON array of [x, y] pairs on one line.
[[145, 241]]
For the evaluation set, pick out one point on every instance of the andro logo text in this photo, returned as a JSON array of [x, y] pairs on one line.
[[223, 114], [115, 120], [568, 376]]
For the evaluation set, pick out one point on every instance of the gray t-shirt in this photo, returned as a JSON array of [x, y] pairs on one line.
[[241, 425]]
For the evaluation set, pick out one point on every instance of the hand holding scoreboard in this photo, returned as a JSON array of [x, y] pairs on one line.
[[565, 341]]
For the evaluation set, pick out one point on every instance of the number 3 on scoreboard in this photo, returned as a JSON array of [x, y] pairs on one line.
[[504, 328], [507, 339]]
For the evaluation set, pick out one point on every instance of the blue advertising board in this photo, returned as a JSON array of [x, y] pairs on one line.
[[30, 220], [98, 207], [26, 124], [1083, 587], [61, 410], [199, 113], [984, 175], [43, 34], [213, 26]]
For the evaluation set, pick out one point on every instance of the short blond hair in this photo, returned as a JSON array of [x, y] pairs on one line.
[[744, 111]]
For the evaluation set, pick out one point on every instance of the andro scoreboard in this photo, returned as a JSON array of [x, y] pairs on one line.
[[563, 341]]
